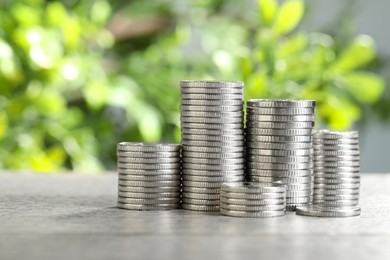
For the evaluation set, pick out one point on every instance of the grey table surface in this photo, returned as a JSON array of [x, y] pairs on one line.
[[70, 216]]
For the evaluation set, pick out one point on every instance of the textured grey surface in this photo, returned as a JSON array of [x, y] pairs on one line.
[[69, 216]]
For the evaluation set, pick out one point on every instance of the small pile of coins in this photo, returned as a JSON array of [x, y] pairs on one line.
[[149, 176], [279, 146], [249, 199], [212, 126], [337, 178]]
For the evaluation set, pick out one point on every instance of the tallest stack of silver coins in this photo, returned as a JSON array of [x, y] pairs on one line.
[[212, 125]]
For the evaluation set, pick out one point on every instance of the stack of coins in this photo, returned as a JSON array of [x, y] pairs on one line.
[[149, 176], [337, 175], [279, 146], [250, 199], [212, 140]]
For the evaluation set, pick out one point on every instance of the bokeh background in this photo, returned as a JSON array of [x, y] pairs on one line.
[[77, 76]]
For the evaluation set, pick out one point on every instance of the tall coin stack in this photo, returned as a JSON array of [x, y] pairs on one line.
[[279, 146], [337, 175], [149, 176], [254, 200], [212, 140]]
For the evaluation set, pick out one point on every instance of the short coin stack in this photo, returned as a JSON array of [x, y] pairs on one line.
[[212, 140], [149, 176], [337, 178], [249, 199], [279, 146]]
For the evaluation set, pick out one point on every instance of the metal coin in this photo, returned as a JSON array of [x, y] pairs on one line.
[[212, 91], [336, 164], [211, 106], [279, 118], [336, 197], [212, 126], [213, 167], [324, 191], [147, 147], [330, 142], [337, 186], [250, 187], [213, 179], [286, 103], [207, 114], [140, 166], [156, 160], [298, 193], [279, 139], [142, 195], [321, 211], [123, 171], [337, 147], [224, 150], [212, 97], [282, 125], [204, 208], [213, 138], [148, 190], [148, 155], [280, 111], [201, 196], [278, 146], [149, 201], [279, 166], [337, 169], [279, 132], [213, 161], [201, 190], [200, 202], [337, 175], [340, 135], [253, 196], [246, 214], [191, 172], [149, 184], [281, 173], [280, 153], [337, 180], [147, 207], [279, 159], [211, 84], [341, 158], [298, 200], [252, 208], [201, 184], [148, 178], [212, 120], [282, 180], [213, 155], [336, 203], [194, 131], [252, 202]]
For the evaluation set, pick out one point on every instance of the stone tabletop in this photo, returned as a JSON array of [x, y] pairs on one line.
[[72, 216]]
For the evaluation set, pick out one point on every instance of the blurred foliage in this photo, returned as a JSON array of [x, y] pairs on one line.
[[76, 77]]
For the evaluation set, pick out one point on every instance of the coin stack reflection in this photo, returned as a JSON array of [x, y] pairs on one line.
[[337, 174], [149, 176], [279, 146], [250, 199], [212, 140]]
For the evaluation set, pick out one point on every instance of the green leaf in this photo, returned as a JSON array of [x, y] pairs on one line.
[[291, 45], [267, 10], [359, 52], [365, 86], [288, 17]]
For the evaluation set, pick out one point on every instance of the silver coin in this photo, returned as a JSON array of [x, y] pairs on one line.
[[337, 175], [147, 207], [148, 190], [222, 150], [140, 166], [211, 106], [252, 208], [278, 146], [213, 167], [204, 208], [336, 164], [154, 201], [279, 118], [279, 159], [141, 195], [337, 147], [219, 179], [298, 193], [287, 103], [296, 186], [149, 184], [321, 211], [336, 197], [168, 172], [211, 102], [137, 177], [212, 97], [213, 161], [298, 200], [340, 135], [279, 139], [250, 187], [336, 169], [201, 196], [337, 186], [147, 147], [336, 203], [156, 160], [252, 196], [253, 202], [200, 184], [337, 180], [279, 132], [279, 153], [282, 180], [212, 91], [194, 131], [200, 202], [279, 166], [324, 191], [279, 125], [246, 214], [341, 158], [280, 111], [207, 114], [191, 172], [212, 120], [281, 173], [211, 84], [148, 155], [213, 138], [201, 190], [212, 126], [329, 142], [213, 155]]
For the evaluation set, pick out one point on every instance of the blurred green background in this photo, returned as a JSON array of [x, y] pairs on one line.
[[78, 76]]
